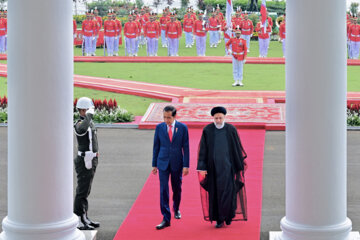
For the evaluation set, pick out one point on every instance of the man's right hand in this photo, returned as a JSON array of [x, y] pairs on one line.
[[203, 173], [154, 170]]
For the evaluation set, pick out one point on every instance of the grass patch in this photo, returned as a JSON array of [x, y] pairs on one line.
[[275, 49], [215, 76]]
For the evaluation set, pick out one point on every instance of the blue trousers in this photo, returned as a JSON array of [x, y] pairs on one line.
[[355, 47], [2, 44], [116, 44], [151, 46], [188, 38], [131, 46], [283, 46], [110, 45], [163, 38], [173, 46], [156, 45], [88, 45], [176, 181], [263, 46], [200, 45], [237, 69], [247, 38], [94, 44], [213, 37]]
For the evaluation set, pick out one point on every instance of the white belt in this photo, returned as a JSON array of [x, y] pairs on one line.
[[242, 53], [88, 30], [2, 28], [213, 27], [172, 32], [351, 35], [199, 31], [151, 32], [163, 24], [110, 30], [82, 154], [130, 34], [246, 29]]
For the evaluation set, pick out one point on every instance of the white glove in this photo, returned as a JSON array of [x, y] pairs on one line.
[[74, 35], [116, 38], [229, 51], [89, 155], [91, 111], [93, 38], [244, 61], [6, 35]]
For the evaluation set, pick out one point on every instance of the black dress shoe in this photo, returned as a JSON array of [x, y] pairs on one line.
[[93, 224], [163, 224], [219, 224], [84, 224], [177, 215], [228, 222]]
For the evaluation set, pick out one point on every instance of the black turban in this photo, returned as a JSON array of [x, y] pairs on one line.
[[218, 109]]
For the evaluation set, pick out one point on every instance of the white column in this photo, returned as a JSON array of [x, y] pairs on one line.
[[316, 121], [40, 134]]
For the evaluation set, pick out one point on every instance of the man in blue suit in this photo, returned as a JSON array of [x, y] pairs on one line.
[[170, 158]]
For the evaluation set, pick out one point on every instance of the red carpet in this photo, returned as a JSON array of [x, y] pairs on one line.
[[145, 213]]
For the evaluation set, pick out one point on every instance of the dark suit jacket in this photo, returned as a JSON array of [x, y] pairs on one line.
[[174, 153]]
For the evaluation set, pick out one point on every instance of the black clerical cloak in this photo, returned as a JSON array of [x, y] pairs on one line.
[[223, 194]]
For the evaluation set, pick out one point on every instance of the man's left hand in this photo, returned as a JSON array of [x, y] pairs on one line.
[[185, 171]]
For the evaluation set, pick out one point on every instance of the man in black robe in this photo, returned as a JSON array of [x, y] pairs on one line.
[[221, 166]]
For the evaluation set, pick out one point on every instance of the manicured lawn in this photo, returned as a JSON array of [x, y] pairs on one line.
[[275, 50], [201, 75]]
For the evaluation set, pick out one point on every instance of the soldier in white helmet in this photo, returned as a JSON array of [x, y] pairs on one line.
[[85, 161]]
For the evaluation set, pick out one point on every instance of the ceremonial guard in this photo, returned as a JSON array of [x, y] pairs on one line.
[[173, 33], [74, 28], [3, 32], [88, 29], [163, 22], [188, 29], [227, 35], [236, 21], [354, 35], [143, 20], [349, 22], [264, 32], [157, 38], [137, 41], [85, 162], [98, 26], [214, 26], [282, 34], [151, 32], [239, 52], [131, 32], [117, 35], [109, 33], [220, 16], [200, 30], [247, 29]]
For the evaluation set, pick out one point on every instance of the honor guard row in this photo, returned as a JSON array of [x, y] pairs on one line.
[[353, 36], [3, 31]]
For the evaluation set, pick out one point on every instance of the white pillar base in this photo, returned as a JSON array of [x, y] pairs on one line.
[[90, 235], [292, 231], [278, 235], [55, 231]]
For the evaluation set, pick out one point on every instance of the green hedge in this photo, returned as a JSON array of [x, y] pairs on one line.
[[273, 6]]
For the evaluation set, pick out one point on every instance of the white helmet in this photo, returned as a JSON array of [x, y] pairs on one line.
[[84, 103]]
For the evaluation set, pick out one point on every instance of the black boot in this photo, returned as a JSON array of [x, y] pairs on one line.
[[91, 223], [84, 224]]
